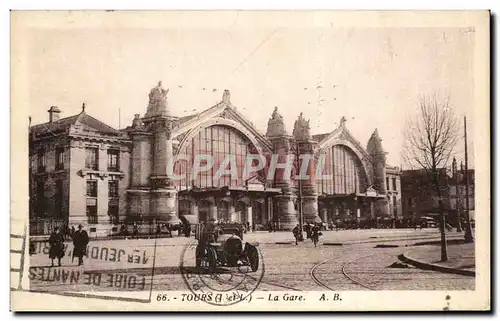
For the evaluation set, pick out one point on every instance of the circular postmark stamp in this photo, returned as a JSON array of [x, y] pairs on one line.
[[220, 274]]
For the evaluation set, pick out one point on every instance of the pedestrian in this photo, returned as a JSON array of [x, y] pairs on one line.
[[72, 231], [123, 230], [307, 228], [56, 242], [187, 230], [315, 233], [296, 233], [80, 242], [270, 226], [158, 230], [135, 231]]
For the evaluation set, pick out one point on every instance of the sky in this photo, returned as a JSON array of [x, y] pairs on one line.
[[372, 76]]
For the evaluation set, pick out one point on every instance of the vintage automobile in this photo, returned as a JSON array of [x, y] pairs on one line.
[[223, 246]]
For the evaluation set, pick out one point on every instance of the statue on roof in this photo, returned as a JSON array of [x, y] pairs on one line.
[[276, 125], [158, 93], [137, 122], [302, 128], [157, 100], [276, 115]]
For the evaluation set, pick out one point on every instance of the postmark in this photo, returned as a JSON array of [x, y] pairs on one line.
[[109, 271]]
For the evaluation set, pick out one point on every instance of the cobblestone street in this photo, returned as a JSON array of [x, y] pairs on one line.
[[357, 265]]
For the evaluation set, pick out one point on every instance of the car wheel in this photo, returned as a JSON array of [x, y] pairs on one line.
[[253, 258], [212, 260]]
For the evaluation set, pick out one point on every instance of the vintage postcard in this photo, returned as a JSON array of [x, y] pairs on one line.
[[250, 161]]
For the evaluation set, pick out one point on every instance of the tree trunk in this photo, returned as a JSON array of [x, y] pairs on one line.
[[442, 230]]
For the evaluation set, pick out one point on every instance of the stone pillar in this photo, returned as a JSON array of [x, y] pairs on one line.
[[285, 203], [378, 155], [286, 212], [249, 214], [165, 194], [382, 207], [324, 215], [266, 210], [140, 158], [309, 195], [213, 212], [233, 217], [164, 205], [158, 121]]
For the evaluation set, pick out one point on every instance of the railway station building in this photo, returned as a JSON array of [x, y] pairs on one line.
[[83, 171]]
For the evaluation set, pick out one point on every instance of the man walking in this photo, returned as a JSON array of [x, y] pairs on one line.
[[56, 242], [80, 242], [315, 233], [296, 233], [158, 230], [135, 231]]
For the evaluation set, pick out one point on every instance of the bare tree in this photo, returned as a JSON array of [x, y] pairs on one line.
[[429, 140]]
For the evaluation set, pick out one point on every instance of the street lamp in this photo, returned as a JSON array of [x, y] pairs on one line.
[[458, 193], [469, 237], [296, 151]]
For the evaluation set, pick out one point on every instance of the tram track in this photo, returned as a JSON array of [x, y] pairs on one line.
[[315, 278], [343, 271]]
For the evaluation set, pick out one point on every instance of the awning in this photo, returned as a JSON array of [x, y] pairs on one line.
[[367, 195], [230, 190], [344, 196]]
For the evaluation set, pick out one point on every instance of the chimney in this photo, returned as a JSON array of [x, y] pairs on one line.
[[53, 114], [226, 97]]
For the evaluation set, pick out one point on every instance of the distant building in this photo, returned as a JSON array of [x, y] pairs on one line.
[[394, 192], [458, 191], [419, 197], [79, 172], [84, 171]]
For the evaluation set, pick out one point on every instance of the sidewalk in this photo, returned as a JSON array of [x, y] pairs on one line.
[[461, 258], [343, 236]]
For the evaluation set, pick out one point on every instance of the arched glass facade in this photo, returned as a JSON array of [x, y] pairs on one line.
[[218, 142], [345, 169]]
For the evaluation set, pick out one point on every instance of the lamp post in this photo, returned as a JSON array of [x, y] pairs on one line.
[[296, 151], [469, 237], [458, 193]]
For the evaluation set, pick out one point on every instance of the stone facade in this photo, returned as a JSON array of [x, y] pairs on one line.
[[58, 153]]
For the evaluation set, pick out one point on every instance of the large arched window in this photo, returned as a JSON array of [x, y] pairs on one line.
[[346, 171], [218, 142]]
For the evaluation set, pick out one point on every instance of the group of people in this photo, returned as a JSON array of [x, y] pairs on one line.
[[124, 231], [272, 226], [372, 223], [313, 232], [57, 248]]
